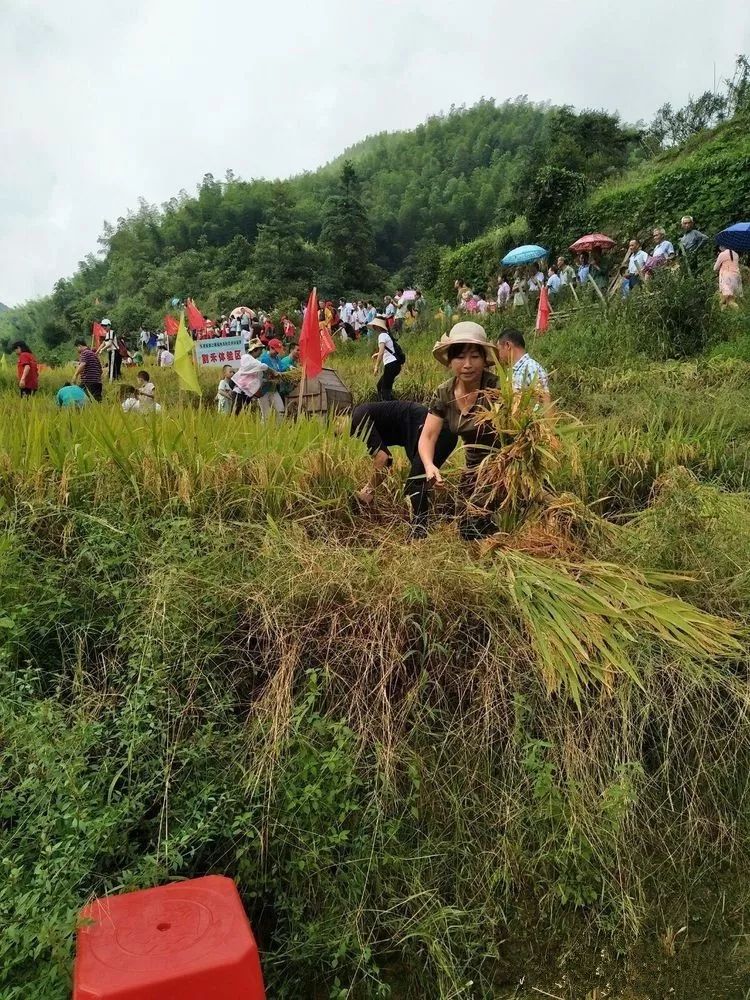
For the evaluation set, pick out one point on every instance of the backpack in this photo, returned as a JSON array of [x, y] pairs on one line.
[[398, 351]]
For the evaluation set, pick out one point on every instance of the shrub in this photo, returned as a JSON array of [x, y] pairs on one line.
[[678, 314]]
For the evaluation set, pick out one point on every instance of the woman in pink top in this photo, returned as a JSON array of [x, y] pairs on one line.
[[730, 279]]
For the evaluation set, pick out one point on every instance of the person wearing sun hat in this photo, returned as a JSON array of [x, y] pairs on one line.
[[248, 380], [470, 355], [389, 355]]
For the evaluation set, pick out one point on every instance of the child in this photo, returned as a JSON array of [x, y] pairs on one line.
[[225, 392], [131, 403], [146, 391], [129, 396]]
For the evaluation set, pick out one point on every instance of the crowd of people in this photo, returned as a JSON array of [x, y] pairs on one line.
[[428, 434], [521, 287]]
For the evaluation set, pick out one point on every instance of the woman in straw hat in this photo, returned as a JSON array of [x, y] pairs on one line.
[[456, 403], [248, 380]]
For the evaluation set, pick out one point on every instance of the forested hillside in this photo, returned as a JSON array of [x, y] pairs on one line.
[[411, 207]]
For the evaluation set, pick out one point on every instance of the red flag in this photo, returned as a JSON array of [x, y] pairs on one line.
[[98, 333], [170, 326], [309, 340], [543, 312], [194, 316]]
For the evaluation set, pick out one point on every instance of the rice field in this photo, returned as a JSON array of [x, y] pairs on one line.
[[435, 769]]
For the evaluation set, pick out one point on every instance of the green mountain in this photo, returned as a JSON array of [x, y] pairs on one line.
[[3, 307], [447, 198]]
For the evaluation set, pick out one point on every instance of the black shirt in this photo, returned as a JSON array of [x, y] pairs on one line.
[[397, 422]]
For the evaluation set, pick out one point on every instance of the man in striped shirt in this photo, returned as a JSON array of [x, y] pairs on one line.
[[89, 371]]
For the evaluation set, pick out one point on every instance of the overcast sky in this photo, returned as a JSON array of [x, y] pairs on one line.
[[107, 100]]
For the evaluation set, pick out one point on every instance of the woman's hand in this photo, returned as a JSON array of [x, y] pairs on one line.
[[433, 476]]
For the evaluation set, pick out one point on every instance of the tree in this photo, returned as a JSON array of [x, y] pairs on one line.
[[553, 190], [280, 263], [347, 232], [671, 128]]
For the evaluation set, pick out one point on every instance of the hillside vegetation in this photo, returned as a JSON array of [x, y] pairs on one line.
[[419, 207]]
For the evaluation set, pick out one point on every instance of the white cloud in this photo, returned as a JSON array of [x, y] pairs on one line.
[[106, 101]]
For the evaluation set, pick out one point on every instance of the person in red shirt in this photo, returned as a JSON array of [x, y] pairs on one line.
[[28, 369], [288, 327]]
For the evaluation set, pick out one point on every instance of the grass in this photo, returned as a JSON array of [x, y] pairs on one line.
[[428, 765]]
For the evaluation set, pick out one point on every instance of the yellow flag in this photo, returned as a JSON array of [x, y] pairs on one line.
[[4, 361], [183, 358]]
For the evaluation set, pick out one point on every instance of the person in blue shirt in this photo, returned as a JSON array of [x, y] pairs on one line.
[[71, 395], [624, 283], [290, 360], [270, 398], [583, 269]]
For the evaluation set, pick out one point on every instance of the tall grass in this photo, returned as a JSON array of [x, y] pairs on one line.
[[418, 759]]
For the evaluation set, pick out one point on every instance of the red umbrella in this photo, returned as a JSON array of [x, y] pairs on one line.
[[594, 241]]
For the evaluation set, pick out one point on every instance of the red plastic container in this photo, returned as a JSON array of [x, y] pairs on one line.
[[184, 941]]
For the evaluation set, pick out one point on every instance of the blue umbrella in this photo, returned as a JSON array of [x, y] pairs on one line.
[[524, 255], [736, 237]]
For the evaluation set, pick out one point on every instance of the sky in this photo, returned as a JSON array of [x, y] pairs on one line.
[[105, 101]]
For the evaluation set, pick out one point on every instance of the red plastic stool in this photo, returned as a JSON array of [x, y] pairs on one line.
[[184, 941]]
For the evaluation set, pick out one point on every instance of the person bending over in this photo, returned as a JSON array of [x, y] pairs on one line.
[[398, 423]]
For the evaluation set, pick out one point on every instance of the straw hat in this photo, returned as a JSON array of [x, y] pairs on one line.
[[465, 333], [253, 345], [379, 323]]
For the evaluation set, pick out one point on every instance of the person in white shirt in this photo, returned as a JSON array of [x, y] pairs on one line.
[[503, 292], [637, 260], [359, 318], [536, 281], [111, 345], [146, 391], [554, 281], [400, 314], [132, 404], [663, 251], [524, 369], [166, 358], [519, 296], [225, 391], [385, 356]]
